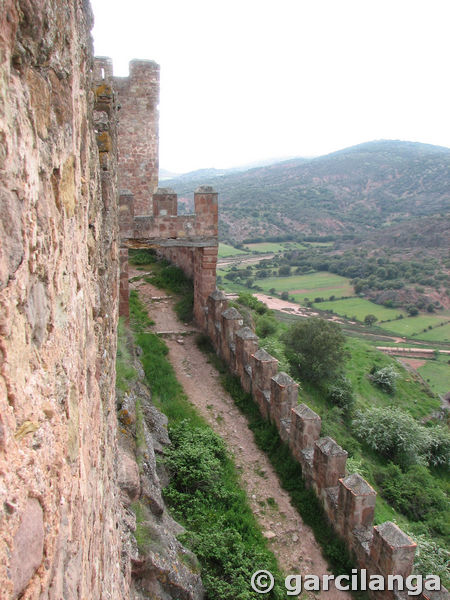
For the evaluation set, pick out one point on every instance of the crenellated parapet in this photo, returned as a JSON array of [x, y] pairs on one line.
[[348, 499]]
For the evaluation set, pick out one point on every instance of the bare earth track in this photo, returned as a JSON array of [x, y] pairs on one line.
[[292, 542]]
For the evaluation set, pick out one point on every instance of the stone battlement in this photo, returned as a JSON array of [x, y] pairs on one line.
[[348, 499]]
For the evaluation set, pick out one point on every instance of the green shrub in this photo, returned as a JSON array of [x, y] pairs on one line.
[[438, 452], [315, 349], [385, 378], [414, 493], [249, 300], [394, 434], [266, 325], [340, 393]]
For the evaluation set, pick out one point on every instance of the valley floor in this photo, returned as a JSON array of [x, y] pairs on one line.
[[291, 541]]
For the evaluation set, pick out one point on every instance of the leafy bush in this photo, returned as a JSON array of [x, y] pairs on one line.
[[431, 558], [266, 325], [414, 493], [340, 393], [221, 529], [249, 300], [394, 434], [315, 349], [439, 449], [385, 378], [275, 348]]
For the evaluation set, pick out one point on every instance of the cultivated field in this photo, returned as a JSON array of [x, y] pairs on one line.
[[437, 374], [359, 308], [310, 286], [273, 246], [226, 250], [414, 326], [438, 334]]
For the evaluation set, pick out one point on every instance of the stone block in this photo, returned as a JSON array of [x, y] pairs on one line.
[[392, 551], [264, 367], [28, 546], [128, 476], [231, 321], [262, 399], [329, 463], [165, 202], [284, 396], [246, 342], [305, 429], [356, 504]]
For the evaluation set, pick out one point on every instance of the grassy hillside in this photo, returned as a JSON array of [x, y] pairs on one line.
[[413, 495]]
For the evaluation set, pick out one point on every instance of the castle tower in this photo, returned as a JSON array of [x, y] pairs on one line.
[[138, 98]]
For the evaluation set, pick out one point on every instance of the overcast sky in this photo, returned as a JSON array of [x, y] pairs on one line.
[[245, 80]]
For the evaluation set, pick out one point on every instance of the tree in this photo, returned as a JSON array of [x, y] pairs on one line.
[[315, 349], [370, 320], [412, 310]]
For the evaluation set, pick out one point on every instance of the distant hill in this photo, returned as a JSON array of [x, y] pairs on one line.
[[362, 190]]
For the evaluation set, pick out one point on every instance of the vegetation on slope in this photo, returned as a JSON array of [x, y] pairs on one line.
[[204, 493], [405, 458]]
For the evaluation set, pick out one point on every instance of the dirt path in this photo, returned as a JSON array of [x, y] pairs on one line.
[[289, 538]]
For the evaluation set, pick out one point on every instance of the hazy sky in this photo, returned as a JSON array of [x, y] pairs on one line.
[[244, 80]]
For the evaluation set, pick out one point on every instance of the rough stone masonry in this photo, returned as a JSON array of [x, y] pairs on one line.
[[60, 519]]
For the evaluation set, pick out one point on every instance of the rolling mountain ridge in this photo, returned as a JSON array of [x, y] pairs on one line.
[[362, 190]]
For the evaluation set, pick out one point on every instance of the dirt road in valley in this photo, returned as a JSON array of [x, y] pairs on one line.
[[292, 542]]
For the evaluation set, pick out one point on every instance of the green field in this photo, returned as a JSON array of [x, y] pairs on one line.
[[226, 250], [438, 334], [359, 308], [437, 374], [273, 246], [415, 326], [321, 284]]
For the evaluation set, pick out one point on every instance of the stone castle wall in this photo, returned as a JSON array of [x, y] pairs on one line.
[[59, 514], [348, 500]]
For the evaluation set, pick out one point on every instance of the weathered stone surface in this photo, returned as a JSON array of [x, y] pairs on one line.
[[11, 248], [58, 312], [28, 546], [128, 475], [138, 96]]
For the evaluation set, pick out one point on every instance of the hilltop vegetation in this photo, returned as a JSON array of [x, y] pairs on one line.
[[367, 188]]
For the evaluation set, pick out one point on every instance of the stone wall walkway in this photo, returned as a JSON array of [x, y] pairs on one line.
[[292, 542]]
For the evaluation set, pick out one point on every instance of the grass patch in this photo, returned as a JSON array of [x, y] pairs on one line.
[[173, 279], [315, 285], [414, 326], [141, 257], [139, 319], [265, 247], [437, 373], [437, 334], [226, 250], [359, 308], [204, 493]]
